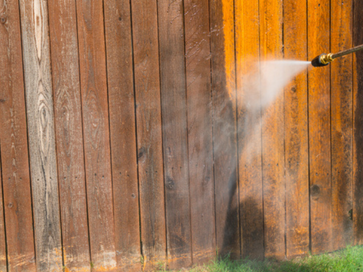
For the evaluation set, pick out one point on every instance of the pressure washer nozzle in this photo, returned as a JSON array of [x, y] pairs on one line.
[[322, 60]]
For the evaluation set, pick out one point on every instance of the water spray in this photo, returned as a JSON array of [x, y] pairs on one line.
[[325, 59]]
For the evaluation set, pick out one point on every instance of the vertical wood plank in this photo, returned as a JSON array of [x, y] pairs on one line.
[[40, 117], [14, 145], [96, 134], [69, 137], [273, 136], [122, 132], [358, 126], [296, 133], [319, 128], [200, 146], [224, 127], [174, 117], [3, 257], [249, 130], [341, 124], [149, 133]]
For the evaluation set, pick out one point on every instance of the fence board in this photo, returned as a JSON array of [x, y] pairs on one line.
[[319, 128], [249, 129], [224, 127], [40, 116], [273, 136], [341, 124], [122, 132], [175, 139], [197, 48], [96, 134], [296, 133], [69, 137], [14, 146], [357, 212], [149, 133]]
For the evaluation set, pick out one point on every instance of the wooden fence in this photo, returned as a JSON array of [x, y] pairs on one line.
[[126, 142]]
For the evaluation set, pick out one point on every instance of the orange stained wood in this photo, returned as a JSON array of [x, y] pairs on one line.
[[69, 135], [14, 149], [273, 136], [357, 212], [123, 133], [175, 134], [3, 257], [341, 124], [296, 133], [224, 122], [96, 134], [249, 129], [319, 128], [149, 133], [200, 146]]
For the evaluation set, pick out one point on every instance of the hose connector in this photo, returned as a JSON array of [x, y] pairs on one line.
[[326, 58]]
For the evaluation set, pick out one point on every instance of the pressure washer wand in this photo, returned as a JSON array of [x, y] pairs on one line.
[[325, 59]]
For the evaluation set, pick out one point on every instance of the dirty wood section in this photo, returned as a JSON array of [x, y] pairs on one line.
[[40, 117], [341, 123], [224, 127], [96, 134], [273, 136], [69, 136], [175, 141], [123, 133], [149, 134], [319, 129], [14, 149], [200, 146], [296, 133], [249, 129], [3, 257]]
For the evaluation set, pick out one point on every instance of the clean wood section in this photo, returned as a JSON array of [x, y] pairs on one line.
[[69, 137], [149, 133], [122, 132], [3, 257], [197, 51], [273, 136], [224, 123], [319, 129], [249, 129], [175, 141], [14, 146], [96, 134], [296, 133], [357, 212], [341, 124], [40, 117]]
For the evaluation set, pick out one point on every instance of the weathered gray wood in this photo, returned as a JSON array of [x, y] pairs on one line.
[[39, 101]]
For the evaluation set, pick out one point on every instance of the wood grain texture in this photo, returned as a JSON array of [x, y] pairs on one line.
[[341, 124], [3, 255], [122, 132], [319, 128], [296, 133], [96, 134], [40, 116], [273, 136], [69, 137], [175, 134], [200, 147], [249, 129], [149, 132], [224, 127], [357, 212]]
